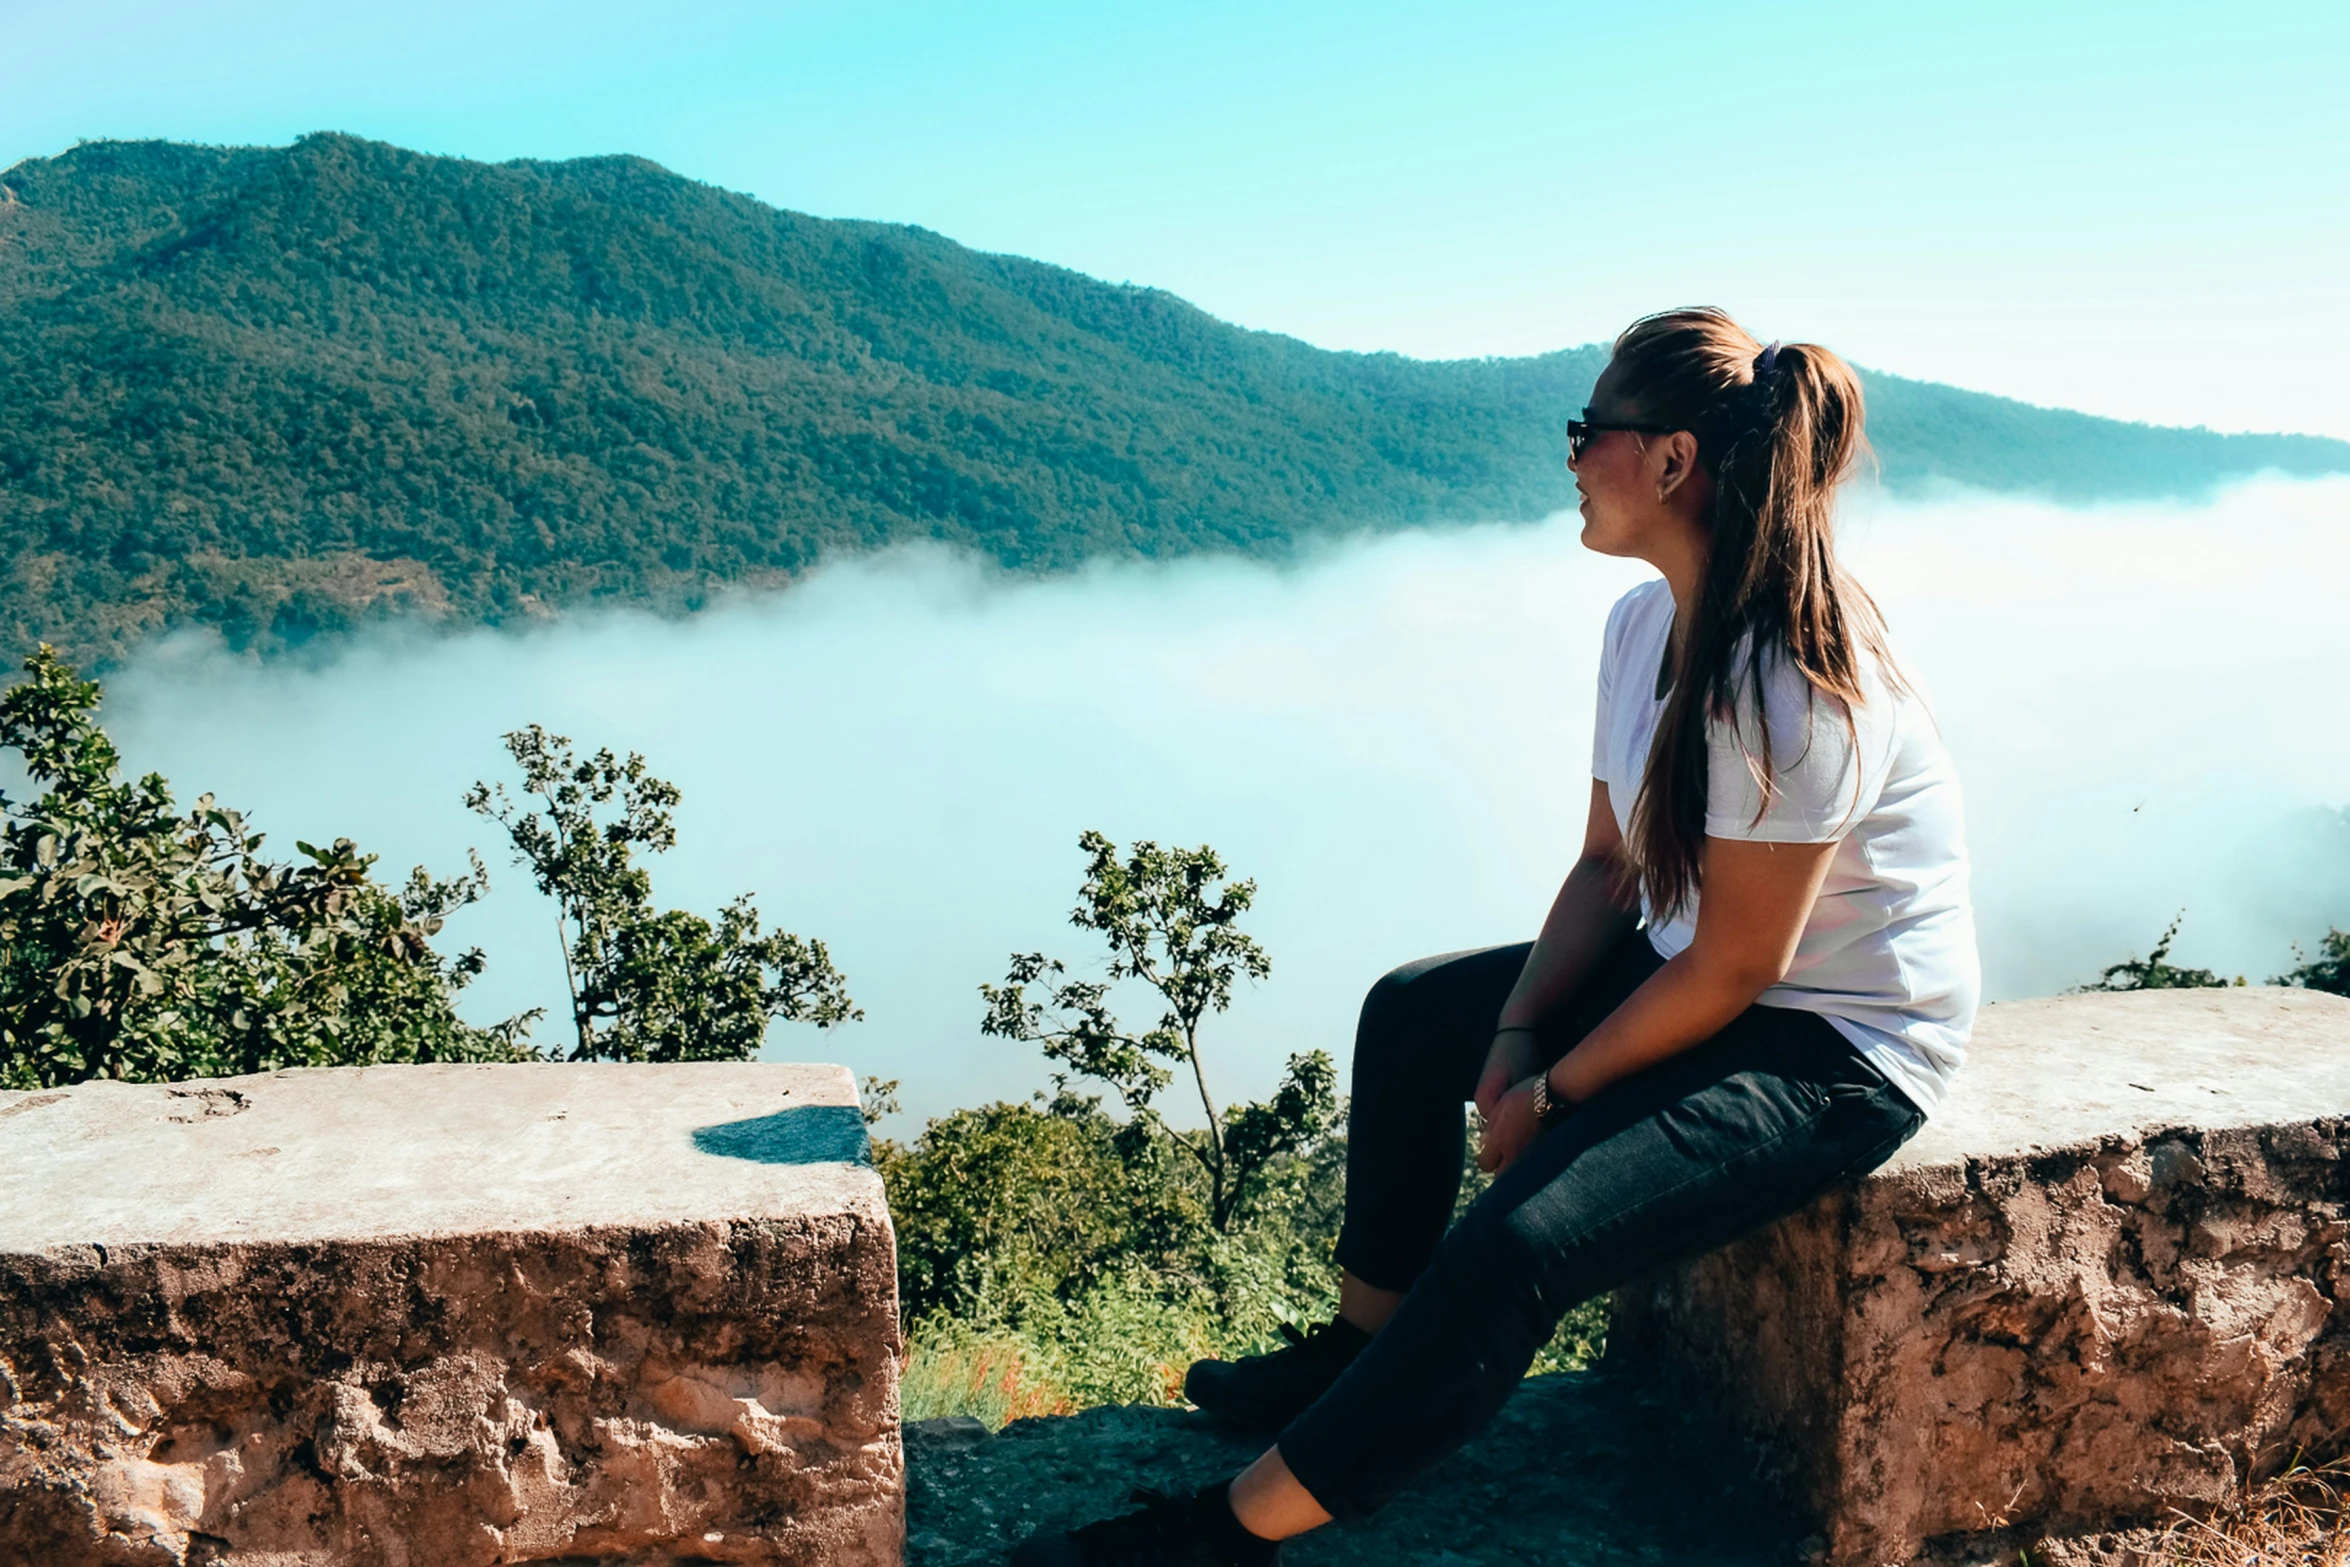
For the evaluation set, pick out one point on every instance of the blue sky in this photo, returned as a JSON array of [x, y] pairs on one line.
[[2140, 210]]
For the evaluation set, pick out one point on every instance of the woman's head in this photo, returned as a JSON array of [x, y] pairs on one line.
[[1723, 460], [1698, 428]]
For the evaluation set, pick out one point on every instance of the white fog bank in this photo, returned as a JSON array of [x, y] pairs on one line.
[[2145, 704]]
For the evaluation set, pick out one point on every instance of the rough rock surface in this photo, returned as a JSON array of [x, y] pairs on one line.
[[1578, 1471], [2109, 1280], [443, 1316]]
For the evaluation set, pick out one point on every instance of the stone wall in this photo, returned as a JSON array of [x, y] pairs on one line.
[[445, 1316], [442, 1316], [2110, 1281]]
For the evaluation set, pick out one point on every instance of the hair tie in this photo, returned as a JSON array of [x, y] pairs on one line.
[[1740, 411]]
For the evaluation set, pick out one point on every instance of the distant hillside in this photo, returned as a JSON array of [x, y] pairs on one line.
[[280, 390]]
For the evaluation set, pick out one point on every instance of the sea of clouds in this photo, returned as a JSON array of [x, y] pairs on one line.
[[1392, 736]]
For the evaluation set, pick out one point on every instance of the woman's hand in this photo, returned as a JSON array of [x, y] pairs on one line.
[[1509, 1130], [1511, 1059]]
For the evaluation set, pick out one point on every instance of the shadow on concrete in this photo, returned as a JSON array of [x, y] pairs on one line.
[[1579, 1470], [804, 1134]]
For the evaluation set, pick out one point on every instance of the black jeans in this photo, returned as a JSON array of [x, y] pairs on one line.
[[1676, 1160]]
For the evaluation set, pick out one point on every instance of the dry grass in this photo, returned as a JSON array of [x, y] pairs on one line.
[[2300, 1518], [1001, 1377], [997, 1379]]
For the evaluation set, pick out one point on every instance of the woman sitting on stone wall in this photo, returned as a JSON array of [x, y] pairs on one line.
[[1658, 1072]]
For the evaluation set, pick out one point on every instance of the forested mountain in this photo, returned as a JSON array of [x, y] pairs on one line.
[[279, 389]]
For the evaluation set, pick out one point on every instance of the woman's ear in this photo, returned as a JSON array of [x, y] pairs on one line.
[[1672, 461]]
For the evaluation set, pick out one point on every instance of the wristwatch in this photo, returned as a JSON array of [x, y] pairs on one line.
[[1547, 1110]]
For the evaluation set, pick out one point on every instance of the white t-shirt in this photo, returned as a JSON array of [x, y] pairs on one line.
[[1888, 954]]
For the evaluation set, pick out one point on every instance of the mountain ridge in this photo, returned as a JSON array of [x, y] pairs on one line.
[[278, 391]]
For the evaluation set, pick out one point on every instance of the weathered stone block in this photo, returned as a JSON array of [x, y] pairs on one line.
[[2108, 1280], [434, 1316]]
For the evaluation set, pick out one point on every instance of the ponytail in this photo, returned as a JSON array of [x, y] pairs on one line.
[[1778, 429]]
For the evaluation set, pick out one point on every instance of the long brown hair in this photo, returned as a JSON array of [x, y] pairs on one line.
[[1777, 431]]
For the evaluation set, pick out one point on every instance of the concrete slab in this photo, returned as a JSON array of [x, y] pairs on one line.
[[448, 1314], [2068, 1070], [348, 1153], [2109, 1282]]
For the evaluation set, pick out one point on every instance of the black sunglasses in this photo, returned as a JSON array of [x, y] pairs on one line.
[[1580, 432]]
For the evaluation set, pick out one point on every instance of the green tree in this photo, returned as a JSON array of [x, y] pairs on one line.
[[647, 984], [2329, 970], [143, 943], [2155, 971], [1169, 918]]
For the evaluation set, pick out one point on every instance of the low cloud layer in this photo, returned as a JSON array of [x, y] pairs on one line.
[[1392, 737]]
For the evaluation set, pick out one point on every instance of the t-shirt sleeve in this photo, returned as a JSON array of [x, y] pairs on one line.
[[1819, 791]]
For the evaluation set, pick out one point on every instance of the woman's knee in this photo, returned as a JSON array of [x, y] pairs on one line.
[[1384, 1002], [1490, 1270], [1385, 1033], [1425, 1026]]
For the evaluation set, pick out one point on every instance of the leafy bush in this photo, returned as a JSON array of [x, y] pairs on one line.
[[1006, 1205], [146, 943], [2329, 970], [647, 984], [143, 943], [2155, 971], [1081, 1246]]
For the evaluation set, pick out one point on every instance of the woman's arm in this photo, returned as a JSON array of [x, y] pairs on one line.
[[1757, 898], [1595, 905]]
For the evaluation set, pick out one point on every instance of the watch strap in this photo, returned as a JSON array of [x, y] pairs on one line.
[[1547, 1110]]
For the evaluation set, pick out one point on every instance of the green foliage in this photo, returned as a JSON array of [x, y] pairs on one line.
[[2156, 972], [1170, 924], [877, 1098], [1928, 435], [1006, 1206], [285, 392], [1127, 1343], [1051, 1257], [2329, 970], [1043, 1272], [1579, 1343], [143, 943], [647, 984], [1054, 1255]]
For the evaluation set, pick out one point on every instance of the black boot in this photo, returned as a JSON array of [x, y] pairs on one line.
[[1266, 1392], [1198, 1530]]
